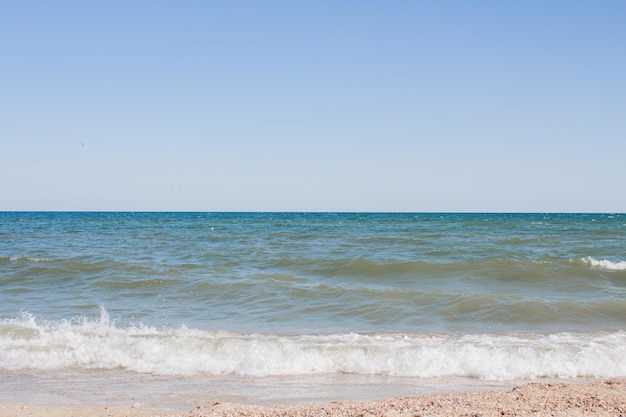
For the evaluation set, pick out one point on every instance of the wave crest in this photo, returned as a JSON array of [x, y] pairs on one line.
[[99, 344], [605, 264]]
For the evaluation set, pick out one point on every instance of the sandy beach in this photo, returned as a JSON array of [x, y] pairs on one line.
[[602, 398]]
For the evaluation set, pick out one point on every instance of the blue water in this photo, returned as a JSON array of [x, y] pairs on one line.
[[495, 297]]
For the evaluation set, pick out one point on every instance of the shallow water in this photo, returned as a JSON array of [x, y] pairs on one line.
[[184, 393]]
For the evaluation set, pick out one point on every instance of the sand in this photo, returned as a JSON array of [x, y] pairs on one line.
[[603, 398]]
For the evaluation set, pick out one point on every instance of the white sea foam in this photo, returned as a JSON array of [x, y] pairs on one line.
[[605, 264], [99, 344], [27, 259]]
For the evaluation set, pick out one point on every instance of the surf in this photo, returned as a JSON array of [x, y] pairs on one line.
[[88, 344]]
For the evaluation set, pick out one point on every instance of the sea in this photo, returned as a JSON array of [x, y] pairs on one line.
[[179, 309]]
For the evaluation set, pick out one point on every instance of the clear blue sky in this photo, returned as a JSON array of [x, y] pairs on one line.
[[313, 105]]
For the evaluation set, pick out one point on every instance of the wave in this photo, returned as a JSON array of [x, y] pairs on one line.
[[100, 344], [605, 264], [363, 267], [22, 259]]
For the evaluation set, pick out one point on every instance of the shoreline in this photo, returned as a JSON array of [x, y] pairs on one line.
[[598, 398]]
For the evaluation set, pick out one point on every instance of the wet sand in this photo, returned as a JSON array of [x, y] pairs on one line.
[[602, 398]]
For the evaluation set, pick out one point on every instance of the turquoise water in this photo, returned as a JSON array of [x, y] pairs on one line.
[[495, 297]]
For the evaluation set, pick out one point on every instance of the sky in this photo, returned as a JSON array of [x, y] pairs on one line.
[[412, 106]]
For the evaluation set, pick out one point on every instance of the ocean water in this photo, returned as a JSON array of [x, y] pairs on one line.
[[301, 306]]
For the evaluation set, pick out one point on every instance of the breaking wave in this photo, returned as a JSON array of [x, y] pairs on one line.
[[85, 343], [605, 264]]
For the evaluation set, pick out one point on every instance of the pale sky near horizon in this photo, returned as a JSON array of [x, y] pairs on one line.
[[313, 105]]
